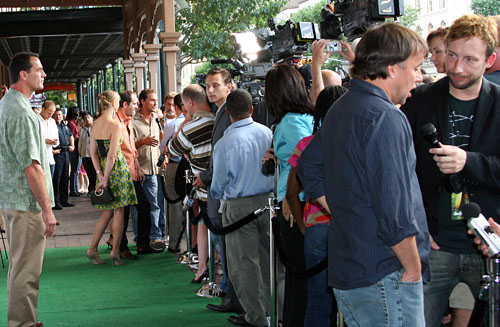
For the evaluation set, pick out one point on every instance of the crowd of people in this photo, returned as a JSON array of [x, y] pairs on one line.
[[368, 220]]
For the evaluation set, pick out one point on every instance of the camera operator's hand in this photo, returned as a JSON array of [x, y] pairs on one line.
[[482, 247], [198, 182], [347, 52], [319, 57], [450, 159], [270, 155]]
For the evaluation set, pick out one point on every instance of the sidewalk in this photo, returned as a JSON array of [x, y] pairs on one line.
[[77, 225]]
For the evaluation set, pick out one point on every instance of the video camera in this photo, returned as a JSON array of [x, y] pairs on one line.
[[353, 17]]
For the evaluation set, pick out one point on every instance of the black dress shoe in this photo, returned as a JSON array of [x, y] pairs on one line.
[[147, 250], [126, 254], [68, 204], [222, 308], [174, 250], [74, 194], [238, 320], [57, 207]]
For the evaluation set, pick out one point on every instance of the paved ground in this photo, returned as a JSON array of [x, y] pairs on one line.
[[77, 225]]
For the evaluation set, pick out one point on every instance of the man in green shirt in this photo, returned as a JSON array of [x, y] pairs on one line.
[[26, 196]]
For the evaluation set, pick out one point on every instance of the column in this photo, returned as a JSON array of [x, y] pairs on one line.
[[152, 51], [128, 70], [139, 66]]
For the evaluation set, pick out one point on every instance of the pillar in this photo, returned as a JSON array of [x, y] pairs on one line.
[[139, 66], [128, 70], [152, 51]]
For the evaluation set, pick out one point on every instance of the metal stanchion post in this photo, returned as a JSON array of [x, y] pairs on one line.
[[188, 174], [165, 206], [493, 267], [273, 262]]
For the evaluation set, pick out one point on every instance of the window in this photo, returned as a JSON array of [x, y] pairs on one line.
[[417, 4], [429, 6], [442, 4]]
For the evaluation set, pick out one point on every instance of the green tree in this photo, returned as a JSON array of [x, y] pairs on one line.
[[309, 14], [485, 7], [205, 68], [410, 17], [206, 25]]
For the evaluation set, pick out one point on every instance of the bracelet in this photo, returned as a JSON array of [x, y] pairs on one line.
[[98, 171]]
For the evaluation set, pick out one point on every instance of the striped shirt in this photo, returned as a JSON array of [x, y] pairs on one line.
[[195, 140]]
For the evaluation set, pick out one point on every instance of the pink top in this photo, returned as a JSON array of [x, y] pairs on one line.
[[314, 213]]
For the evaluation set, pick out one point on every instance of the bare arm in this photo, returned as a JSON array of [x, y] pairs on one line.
[[293, 189], [318, 59], [407, 253], [36, 180]]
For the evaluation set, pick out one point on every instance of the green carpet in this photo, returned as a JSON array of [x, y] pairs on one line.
[[151, 291]]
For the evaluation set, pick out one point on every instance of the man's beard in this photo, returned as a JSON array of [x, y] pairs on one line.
[[467, 84]]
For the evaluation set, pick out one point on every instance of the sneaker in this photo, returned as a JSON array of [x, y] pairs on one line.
[[210, 290], [158, 245]]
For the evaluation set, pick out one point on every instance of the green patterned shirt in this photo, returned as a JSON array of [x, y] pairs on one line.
[[20, 142]]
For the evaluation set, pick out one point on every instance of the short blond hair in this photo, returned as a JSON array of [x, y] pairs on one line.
[[478, 26]]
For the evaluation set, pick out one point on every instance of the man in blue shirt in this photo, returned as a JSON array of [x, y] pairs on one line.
[[238, 182], [361, 164]]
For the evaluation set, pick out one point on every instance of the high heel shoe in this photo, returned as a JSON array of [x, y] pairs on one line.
[[109, 242], [115, 260], [94, 258], [199, 279]]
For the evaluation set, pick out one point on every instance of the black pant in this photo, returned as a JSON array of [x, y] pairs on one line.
[[61, 177], [74, 158], [143, 220], [91, 173], [295, 304]]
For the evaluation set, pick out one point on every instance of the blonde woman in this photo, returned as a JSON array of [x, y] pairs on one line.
[[113, 172]]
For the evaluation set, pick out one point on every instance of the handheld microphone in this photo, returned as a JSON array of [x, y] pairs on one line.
[[456, 184], [481, 228], [188, 200], [430, 134], [159, 123]]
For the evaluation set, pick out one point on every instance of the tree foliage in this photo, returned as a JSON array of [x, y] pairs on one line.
[[410, 17], [485, 7], [207, 24], [309, 14]]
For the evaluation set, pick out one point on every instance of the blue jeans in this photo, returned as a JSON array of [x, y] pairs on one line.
[[388, 303], [217, 241], [447, 270], [150, 187], [319, 297]]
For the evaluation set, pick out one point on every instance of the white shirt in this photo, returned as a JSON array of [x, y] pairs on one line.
[[49, 131]]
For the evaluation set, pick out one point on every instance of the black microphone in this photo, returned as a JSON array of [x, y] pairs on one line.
[[430, 134], [159, 123], [455, 182]]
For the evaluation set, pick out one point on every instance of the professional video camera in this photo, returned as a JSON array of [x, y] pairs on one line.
[[356, 16]]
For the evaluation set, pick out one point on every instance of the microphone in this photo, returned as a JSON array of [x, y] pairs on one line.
[[159, 123], [188, 200], [481, 228], [430, 134], [455, 183]]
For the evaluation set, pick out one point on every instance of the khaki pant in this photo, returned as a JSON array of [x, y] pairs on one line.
[[247, 250], [26, 243]]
